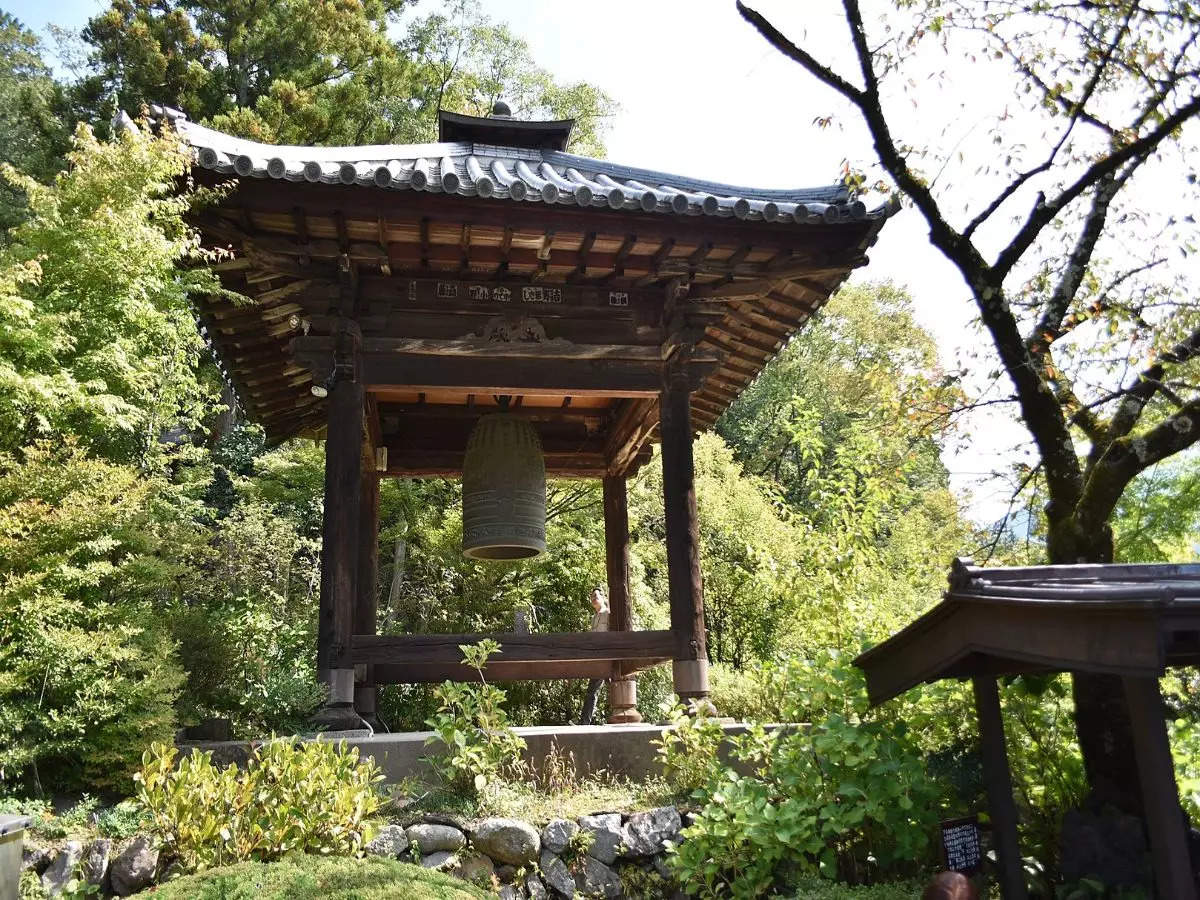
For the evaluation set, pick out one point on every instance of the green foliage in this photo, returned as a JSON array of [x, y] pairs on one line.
[[91, 345], [478, 746], [122, 821], [331, 878], [292, 797], [245, 622], [845, 426], [845, 797], [87, 672], [33, 136], [1158, 516], [295, 72], [815, 889], [687, 750]]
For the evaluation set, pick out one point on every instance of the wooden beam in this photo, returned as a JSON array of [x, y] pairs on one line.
[[407, 673], [1160, 795], [685, 585], [449, 463], [480, 348], [366, 590], [498, 374], [998, 781], [339, 554], [629, 432], [616, 553], [578, 646]]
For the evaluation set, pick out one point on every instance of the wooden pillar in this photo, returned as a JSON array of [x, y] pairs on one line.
[[622, 689], [998, 781], [366, 608], [1156, 772], [690, 668], [339, 544]]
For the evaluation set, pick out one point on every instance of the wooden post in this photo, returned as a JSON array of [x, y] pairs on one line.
[[622, 690], [366, 607], [339, 544], [1156, 772], [998, 781], [690, 668]]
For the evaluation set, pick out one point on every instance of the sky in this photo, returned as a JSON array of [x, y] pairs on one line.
[[702, 94]]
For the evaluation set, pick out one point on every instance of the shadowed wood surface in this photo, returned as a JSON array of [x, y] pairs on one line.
[[572, 646]]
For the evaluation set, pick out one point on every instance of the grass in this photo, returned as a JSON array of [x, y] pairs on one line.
[[535, 803], [819, 889], [331, 878]]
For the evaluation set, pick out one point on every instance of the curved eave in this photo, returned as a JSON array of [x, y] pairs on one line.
[[473, 169]]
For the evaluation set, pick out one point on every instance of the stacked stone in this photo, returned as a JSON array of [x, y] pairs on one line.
[[587, 857], [131, 870], [584, 858]]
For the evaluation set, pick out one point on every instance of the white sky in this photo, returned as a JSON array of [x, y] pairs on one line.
[[702, 94]]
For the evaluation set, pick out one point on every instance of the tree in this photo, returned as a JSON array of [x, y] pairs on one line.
[[301, 72], [91, 345], [88, 673], [1069, 277], [33, 135], [466, 62]]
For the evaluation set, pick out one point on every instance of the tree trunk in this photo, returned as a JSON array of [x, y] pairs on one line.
[[1102, 720]]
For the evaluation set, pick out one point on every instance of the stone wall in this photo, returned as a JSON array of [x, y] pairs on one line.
[[608, 854]]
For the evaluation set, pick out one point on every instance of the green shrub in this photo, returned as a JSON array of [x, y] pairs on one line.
[[87, 672], [310, 797], [688, 750], [845, 798], [472, 727], [330, 878]]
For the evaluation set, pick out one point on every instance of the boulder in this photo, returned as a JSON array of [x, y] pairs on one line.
[[645, 832], [558, 834], [95, 861], [134, 868], [433, 838], [61, 868], [507, 840], [510, 892], [36, 857], [598, 880], [475, 868], [607, 836], [391, 841], [535, 888], [439, 859], [556, 874]]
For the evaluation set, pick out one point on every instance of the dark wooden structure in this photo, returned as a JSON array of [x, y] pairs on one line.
[[399, 292], [1128, 620]]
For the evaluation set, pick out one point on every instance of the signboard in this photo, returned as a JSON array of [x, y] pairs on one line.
[[465, 293], [961, 849]]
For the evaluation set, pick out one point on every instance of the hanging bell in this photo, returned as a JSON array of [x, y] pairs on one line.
[[504, 490]]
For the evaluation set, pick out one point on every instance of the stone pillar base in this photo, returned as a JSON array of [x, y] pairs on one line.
[[622, 701]]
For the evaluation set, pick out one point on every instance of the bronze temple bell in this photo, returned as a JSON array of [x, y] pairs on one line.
[[504, 490]]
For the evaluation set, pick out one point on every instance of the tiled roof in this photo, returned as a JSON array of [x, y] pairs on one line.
[[471, 169]]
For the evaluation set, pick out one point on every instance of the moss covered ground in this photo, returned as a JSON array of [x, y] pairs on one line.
[[331, 878]]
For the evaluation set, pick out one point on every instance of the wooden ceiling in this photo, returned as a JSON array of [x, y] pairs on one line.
[[567, 313]]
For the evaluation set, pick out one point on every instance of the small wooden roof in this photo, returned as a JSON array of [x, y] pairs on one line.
[[1118, 619], [486, 269]]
